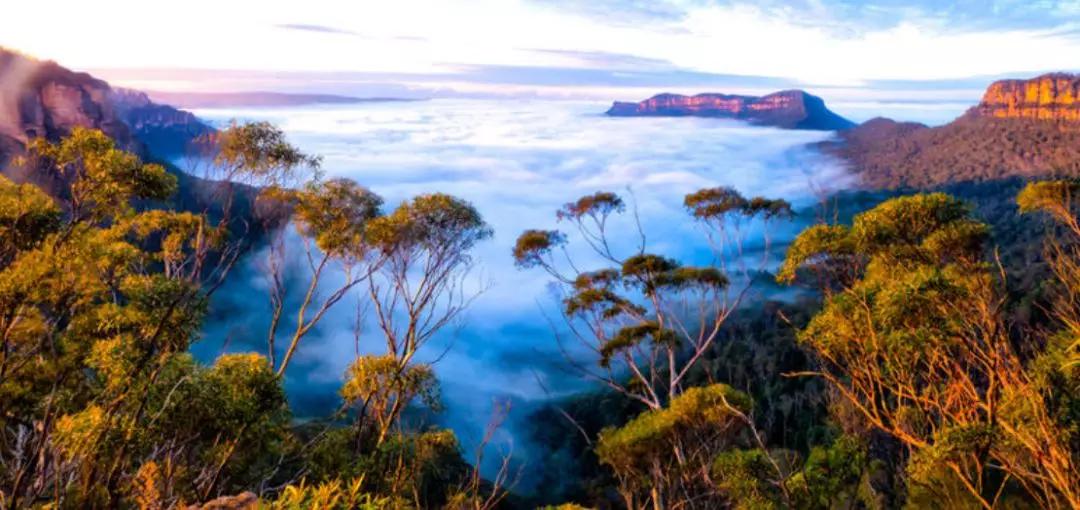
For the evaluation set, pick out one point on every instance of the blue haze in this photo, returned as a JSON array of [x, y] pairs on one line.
[[517, 161]]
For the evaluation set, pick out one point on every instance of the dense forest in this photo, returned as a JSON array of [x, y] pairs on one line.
[[926, 355], [889, 154]]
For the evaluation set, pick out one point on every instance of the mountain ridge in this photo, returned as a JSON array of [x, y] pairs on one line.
[[1028, 128], [788, 109], [258, 98]]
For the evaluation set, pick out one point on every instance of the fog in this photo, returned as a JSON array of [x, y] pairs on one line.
[[517, 162]]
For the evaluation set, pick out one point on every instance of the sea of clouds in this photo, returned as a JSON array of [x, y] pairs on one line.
[[517, 162]]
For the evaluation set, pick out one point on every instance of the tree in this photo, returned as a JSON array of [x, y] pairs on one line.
[[647, 318], [419, 285], [332, 218], [912, 337], [662, 457], [90, 323]]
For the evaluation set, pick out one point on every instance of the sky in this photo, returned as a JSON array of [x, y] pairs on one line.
[[579, 48]]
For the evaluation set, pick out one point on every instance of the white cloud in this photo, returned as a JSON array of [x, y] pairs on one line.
[[414, 36]]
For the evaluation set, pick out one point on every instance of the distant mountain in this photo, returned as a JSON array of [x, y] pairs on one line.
[[166, 131], [789, 109], [1021, 128], [256, 99]]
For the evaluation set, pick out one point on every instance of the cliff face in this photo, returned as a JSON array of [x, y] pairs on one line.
[[166, 131], [790, 109], [1048, 97], [1021, 128], [43, 99]]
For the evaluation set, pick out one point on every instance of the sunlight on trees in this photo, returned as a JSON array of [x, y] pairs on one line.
[[916, 344]]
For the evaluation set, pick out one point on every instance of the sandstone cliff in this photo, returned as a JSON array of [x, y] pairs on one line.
[[43, 99], [1021, 128], [1047, 97], [790, 109]]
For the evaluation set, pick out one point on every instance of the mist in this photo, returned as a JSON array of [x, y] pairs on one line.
[[517, 162]]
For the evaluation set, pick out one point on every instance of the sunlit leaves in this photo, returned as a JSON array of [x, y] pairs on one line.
[[27, 215], [633, 448], [905, 221], [815, 244], [1048, 196], [533, 246], [717, 204], [433, 222], [598, 205], [628, 337], [258, 153], [714, 202], [103, 179], [336, 214]]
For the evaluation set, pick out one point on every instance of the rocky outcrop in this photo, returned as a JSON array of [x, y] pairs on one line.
[[1022, 129], [789, 109], [43, 99], [1053, 97], [166, 131]]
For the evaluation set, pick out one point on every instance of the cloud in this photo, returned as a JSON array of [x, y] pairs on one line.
[[836, 42], [607, 60], [322, 29], [517, 162], [841, 17]]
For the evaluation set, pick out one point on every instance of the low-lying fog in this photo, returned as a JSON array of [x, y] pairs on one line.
[[517, 161]]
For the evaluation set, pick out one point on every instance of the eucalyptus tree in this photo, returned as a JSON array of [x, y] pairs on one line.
[[645, 317], [100, 302], [331, 218], [912, 339]]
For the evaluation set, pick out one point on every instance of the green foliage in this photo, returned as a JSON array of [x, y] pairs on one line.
[[635, 447], [258, 153], [713, 204], [331, 495], [103, 179], [435, 221], [27, 216], [1047, 196], [630, 336], [833, 475], [533, 245], [336, 214], [742, 475], [598, 205], [915, 343]]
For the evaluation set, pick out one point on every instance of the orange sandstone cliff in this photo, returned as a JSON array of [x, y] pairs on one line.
[[1047, 97], [1021, 128]]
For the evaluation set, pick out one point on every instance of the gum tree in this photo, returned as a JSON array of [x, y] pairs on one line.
[[911, 338], [646, 317]]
